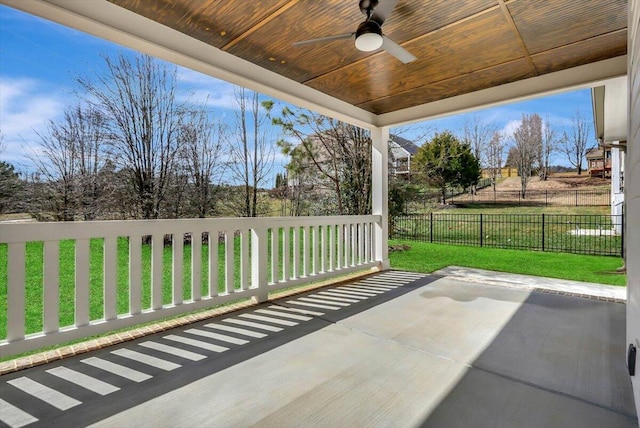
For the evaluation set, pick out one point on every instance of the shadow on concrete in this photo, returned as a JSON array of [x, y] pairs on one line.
[[558, 362]]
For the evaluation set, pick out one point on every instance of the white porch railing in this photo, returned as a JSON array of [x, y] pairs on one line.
[[116, 274]]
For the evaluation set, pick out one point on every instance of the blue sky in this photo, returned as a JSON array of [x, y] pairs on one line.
[[39, 61]]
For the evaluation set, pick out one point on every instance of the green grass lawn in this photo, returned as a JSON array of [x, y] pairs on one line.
[[427, 257]]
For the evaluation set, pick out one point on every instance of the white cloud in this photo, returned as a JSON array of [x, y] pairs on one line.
[[186, 75], [200, 88], [510, 127], [26, 107], [216, 98]]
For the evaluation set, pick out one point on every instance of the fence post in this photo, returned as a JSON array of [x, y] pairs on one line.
[[481, 234], [576, 198], [431, 226], [624, 263], [542, 231]]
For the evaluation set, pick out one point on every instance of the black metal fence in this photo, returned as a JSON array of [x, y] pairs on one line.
[[593, 197], [568, 233]]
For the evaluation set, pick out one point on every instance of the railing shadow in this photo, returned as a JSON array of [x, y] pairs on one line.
[[95, 408]]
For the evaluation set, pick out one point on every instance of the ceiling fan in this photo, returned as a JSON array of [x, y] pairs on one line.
[[368, 36]]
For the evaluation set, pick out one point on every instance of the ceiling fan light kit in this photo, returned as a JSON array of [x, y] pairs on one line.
[[368, 36]]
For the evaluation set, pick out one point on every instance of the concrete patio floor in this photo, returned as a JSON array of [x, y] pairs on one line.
[[394, 349]]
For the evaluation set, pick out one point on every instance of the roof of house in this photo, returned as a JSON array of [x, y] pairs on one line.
[[409, 146], [595, 152]]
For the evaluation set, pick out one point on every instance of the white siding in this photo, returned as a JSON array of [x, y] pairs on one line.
[[632, 190]]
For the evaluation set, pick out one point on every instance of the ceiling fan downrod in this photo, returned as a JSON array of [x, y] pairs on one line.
[[367, 6]]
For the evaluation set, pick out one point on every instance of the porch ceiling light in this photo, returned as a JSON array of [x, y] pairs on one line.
[[368, 36]]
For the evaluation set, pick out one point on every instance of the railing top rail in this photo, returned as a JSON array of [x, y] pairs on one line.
[[25, 232]]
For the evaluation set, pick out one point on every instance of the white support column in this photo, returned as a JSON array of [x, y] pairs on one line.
[[380, 190]]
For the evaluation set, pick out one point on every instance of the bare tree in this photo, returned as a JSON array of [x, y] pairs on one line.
[[87, 127], [549, 144], [477, 134], [494, 154], [138, 95], [334, 156], [575, 145], [251, 154], [527, 141], [202, 159], [69, 158]]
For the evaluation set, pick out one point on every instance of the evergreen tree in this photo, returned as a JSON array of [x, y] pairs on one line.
[[445, 162]]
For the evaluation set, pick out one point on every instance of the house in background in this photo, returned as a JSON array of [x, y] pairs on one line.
[[599, 162], [401, 151]]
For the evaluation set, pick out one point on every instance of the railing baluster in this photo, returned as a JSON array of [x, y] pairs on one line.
[[196, 265], [213, 263], [177, 243], [331, 229], [339, 246], [275, 254], [367, 242], [229, 285], [361, 242], [82, 282], [372, 237], [323, 248], [354, 244], [16, 290], [51, 286], [244, 260], [305, 251], [347, 245], [315, 242], [110, 275], [157, 259], [296, 252], [286, 254], [135, 274]]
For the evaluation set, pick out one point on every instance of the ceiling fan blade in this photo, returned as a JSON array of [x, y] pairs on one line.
[[383, 10], [324, 39], [396, 50]]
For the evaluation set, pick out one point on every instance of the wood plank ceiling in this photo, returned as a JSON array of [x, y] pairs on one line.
[[461, 45]]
